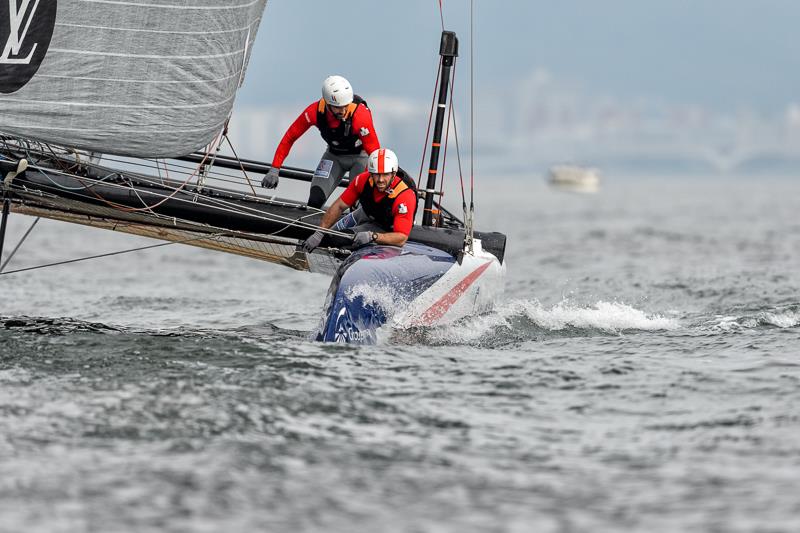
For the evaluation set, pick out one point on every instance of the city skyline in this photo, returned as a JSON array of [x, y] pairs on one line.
[[561, 122]]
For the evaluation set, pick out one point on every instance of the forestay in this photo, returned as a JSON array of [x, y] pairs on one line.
[[152, 78]]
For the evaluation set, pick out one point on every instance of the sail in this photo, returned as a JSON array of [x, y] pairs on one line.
[[148, 78]]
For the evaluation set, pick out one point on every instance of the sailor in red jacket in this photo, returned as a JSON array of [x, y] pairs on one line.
[[345, 122], [388, 198]]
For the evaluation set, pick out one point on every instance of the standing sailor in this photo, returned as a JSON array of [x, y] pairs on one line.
[[388, 198], [345, 122]]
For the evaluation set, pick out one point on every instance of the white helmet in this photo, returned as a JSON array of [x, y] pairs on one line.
[[382, 161], [337, 91]]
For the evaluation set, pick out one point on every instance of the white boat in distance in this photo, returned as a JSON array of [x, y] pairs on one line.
[[574, 178]]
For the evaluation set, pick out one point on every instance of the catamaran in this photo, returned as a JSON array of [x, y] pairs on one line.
[[116, 118]]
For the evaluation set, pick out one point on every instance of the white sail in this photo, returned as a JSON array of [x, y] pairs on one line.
[[154, 78]]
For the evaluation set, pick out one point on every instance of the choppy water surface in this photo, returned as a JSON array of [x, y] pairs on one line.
[[641, 374]]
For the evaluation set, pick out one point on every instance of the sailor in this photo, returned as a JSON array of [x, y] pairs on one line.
[[345, 122], [388, 201]]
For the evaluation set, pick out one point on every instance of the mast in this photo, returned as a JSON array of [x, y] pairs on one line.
[[3, 220], [448, 50], [9, 172]]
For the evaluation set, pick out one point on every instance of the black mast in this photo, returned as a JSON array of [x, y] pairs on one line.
[[8, 170], [3, 220], [448, 49]]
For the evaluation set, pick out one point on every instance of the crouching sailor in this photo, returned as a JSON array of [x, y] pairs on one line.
[[388, 201], [345, 122]]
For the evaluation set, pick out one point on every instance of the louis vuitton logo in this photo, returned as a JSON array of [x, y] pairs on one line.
[[19, 21]]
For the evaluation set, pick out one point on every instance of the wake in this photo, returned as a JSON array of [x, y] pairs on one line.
[[520, 320]]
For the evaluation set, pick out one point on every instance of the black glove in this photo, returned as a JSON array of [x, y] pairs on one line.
[[363, 238], [270, 181], [312, 242]]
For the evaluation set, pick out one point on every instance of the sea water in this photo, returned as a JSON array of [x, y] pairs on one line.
[[642, 373]]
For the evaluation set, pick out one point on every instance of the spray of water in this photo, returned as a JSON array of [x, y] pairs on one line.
[[519, 320]]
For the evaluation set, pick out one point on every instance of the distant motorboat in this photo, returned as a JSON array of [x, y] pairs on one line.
[[574, 178]]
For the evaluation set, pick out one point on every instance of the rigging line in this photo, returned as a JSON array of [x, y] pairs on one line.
[[458, 145], [227, 206], [3, 266], [471, 102], [242, 210], [430, 120], [138, 162], [205, 237], [235, 233], [166, 170], [148, 208], [96, 181], [441, 13], [166, 173], [60, 162], [241, 165], [138, 195], [216, 175], [64, 187], [180, 169], [446, 143], [451, 114], [213, 148], [224, 206]]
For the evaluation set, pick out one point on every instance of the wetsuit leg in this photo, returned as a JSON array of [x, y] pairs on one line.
[[316, 197], [354, 218], [359, 165], [327, 176]]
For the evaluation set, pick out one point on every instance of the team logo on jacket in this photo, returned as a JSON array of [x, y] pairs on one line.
[[364, 132], [402, 209], [26, 27]]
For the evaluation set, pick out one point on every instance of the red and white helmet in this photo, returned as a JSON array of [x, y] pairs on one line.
[[382, 161], [337, 91]]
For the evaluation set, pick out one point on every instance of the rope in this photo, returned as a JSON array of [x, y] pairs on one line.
[[205, 237], [241, 166], [452, 115], [3, 266], [88, 184], [430, 120], [222, 206], [127, 209], [471, 104], [218, 204]]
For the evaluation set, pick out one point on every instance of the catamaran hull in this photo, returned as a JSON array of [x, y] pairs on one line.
[[124, 195], [407, 287]]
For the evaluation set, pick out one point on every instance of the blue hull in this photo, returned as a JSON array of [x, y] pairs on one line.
[[374, 283]]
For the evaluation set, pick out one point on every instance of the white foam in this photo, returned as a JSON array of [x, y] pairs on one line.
[[611, 317], [386, 297], [783, 319]]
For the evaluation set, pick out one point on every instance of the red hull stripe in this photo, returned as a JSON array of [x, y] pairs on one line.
[[437, 310]]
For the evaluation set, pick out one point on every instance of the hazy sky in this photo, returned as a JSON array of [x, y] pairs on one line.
[[723, 54]]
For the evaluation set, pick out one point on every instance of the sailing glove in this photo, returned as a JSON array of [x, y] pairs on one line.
[[270, 181], [312, 242], [363, 238]]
